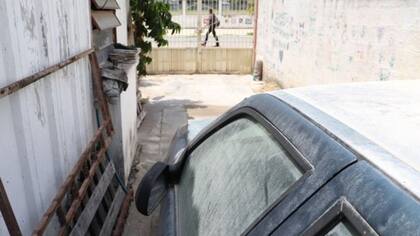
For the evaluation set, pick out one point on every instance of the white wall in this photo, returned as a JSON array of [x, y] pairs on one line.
[[45, 126], [303, 42], [122, 15], [128, 99]]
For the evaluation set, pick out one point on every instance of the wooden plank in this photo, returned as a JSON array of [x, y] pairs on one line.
[[7, 212], [13, 87], [105, 4], [112, 213], [71, 213], [68, 183], [85, 218], [105, 20]]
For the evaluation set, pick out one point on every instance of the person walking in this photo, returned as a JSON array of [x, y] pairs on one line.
[[213, 23]]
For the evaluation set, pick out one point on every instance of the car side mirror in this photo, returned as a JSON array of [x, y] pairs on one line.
[[152, 189]]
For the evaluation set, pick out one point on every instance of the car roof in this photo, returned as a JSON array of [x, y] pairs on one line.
[[379, 121]]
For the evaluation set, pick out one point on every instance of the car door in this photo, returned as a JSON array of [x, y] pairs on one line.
[[250, 170], [360, 200]]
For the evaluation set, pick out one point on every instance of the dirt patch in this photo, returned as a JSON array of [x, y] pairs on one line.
[[206, 111], [265, 86]]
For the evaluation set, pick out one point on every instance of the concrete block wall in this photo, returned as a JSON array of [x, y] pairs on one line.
[[308, 42], [200, 60]]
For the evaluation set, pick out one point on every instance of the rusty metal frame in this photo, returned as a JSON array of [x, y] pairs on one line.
[[101, 137], [7, 212], [99, 92], [15, 86], [69, 182], [71, 213], [122, 217]]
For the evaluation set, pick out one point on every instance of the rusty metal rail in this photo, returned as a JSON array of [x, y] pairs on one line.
[[13, 87], [122, 217], [69, 182], [100, 140], [7, 212]]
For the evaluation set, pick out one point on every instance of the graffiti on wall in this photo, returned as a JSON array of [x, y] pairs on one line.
[[328, 41]]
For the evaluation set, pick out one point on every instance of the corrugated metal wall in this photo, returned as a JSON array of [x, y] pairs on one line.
[[45, 126]]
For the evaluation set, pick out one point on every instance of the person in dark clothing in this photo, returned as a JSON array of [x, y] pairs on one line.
[[213, 23]]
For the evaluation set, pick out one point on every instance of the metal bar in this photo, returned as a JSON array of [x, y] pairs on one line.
[[71, 213], [184, 8], [254, 53], [7, 212], [69, 181], [119, 226], [220, 9], [15, 86], [98, 91]]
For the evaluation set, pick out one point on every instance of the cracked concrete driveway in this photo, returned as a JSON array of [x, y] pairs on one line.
[[172, 100]]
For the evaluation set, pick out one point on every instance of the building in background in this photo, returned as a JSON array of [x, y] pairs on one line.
[[309, 42], [45, 126]]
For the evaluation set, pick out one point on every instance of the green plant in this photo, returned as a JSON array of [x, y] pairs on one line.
[[152, 19]]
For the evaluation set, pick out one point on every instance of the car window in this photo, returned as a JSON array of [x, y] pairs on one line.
[[343, 228], [341, 219], [231, 178]]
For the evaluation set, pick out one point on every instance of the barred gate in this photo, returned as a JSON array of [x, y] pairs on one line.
[[184, 53]]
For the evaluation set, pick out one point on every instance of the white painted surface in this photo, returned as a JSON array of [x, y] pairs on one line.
[[382, 122], [45, 126], [304, 42], [122, 15], [129, 119], [128, 98]]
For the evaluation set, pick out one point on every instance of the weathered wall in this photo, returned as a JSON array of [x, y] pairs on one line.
[[206, 60], [303, 42], [45, 126], [128, 99]]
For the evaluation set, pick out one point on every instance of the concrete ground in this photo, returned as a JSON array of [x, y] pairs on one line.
[[172, 100]]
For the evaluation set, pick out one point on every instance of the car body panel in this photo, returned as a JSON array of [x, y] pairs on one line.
[[382, 204], [378, 120], [330, 146], [327, 158]]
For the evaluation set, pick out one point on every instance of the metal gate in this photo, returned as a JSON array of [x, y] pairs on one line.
[[185, 54]]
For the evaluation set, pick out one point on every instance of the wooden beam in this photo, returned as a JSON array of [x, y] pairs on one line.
[[13, 87], [7, 212], [112, 213], [85, 218]]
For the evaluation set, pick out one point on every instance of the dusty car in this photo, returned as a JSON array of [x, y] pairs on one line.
[[323, 160]]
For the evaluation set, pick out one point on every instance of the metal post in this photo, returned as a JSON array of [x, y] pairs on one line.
[[199, 20], [199, 30], [184, 8], [220, 8], [7, 213], [254, 50]]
